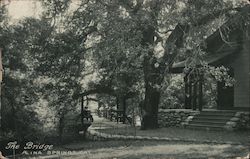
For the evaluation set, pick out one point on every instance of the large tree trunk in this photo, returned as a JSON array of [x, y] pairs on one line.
[[153, 79], [150, 114]]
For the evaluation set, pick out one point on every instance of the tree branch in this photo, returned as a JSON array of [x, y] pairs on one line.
[[97, 90], [176, 37]]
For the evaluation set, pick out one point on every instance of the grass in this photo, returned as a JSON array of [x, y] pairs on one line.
[[200, 135], [154, 150], [147, 149], [91, 145]]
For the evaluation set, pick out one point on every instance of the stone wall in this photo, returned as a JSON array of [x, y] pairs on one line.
[[181, 117], [241, 121], [175, 117]]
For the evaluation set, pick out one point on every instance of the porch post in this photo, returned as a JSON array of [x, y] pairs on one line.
[[187, 95], [201, 92], [190, 90], [82, 100], [194, 95]]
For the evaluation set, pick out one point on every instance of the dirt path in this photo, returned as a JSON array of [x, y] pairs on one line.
[[162, 151]]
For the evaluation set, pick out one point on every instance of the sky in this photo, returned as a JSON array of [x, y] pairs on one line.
[[19, 9]]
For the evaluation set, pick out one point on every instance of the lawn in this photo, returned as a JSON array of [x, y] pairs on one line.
[[145, 149], [153, 150], [181, 133]]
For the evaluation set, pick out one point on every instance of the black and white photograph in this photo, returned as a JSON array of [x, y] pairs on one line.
[[124, 79]]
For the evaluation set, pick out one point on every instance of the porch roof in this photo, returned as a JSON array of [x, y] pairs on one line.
[[221, 56], [218, 50]]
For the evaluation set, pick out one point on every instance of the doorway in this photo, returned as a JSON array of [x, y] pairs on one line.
[[225, 95]]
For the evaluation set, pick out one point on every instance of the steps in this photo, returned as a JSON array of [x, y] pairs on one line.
[[211, 120]]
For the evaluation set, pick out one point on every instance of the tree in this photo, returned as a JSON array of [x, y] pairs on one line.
[[121, 40], [129, 33], [61, 59], [26, 46], [19, 91]]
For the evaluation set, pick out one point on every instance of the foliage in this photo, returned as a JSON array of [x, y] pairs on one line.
[[19, 91], [173, 93], [119, 39], [61, 60], [220, 74], [210, 93], [129, 33]]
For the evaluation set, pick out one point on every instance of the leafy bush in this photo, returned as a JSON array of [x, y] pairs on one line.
[[173, 93], [173, 96]]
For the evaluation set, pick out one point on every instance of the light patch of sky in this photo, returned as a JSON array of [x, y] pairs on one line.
[[19, 9]]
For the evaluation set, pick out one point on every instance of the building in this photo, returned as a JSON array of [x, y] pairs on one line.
[[233, 53], [233, 103]]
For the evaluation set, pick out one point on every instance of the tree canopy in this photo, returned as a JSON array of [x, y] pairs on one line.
[[124, 48]]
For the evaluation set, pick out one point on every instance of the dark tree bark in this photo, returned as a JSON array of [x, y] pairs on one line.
[[150, 115], [152, 78]]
